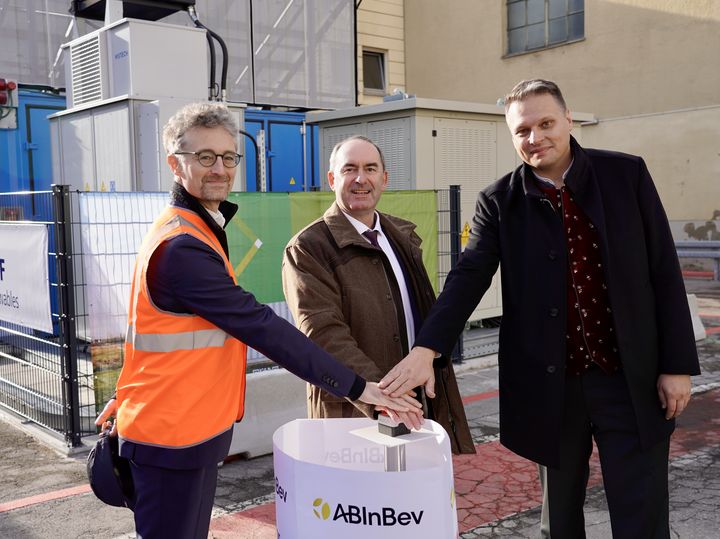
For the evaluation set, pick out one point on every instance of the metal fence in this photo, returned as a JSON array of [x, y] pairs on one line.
[[701, 249], [46, 377], [449, 249], [59, 379]]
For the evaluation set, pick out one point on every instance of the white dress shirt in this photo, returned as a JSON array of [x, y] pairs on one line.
[[397, 271]]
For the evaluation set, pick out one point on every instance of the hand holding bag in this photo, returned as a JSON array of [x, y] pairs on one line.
[[109, 474]]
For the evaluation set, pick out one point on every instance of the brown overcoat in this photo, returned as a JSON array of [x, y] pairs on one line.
[[341, 292]]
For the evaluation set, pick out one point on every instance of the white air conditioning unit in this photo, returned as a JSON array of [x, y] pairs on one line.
[[136, 59], [88, 78]]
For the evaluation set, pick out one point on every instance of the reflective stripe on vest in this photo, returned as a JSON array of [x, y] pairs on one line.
[[183, 378], [169, 342]]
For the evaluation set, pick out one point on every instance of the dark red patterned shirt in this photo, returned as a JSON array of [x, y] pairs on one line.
[[590, 337]]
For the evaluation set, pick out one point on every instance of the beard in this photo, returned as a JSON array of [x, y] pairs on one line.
[[215, 188]]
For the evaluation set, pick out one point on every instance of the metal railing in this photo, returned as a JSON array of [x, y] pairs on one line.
[[701, 249], [42, 377]]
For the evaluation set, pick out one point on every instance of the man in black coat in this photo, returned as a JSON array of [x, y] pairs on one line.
[[596, 338]]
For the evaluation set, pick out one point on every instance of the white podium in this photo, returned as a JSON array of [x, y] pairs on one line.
[[330, 482]]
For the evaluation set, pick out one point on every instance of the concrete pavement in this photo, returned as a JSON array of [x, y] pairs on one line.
[[43, 494]]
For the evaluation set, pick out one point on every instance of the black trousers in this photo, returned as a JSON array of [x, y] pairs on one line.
[[598, 405], [173, 504]]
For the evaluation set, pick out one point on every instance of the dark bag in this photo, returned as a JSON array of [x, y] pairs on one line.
[[109, 473]]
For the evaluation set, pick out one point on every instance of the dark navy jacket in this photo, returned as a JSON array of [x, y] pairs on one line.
[[187, 276]]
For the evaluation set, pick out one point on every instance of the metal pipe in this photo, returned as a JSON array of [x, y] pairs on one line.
[[455, 250], [223, 48], [355, 51], [258, 183], [395, 459]]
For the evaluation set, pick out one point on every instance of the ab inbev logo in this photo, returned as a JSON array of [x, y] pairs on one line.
[[363, 516], [321, 509]]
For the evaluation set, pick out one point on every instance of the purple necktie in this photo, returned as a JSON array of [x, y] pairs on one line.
[[372, 236]]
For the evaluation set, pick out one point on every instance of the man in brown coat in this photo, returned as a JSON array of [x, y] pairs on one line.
[[355, 282]]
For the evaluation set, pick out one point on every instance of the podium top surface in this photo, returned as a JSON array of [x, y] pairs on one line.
[[355, 444]]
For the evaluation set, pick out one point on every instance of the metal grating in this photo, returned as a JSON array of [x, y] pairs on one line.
[[86, 70], [393, 136], [465, 154], [331, 136]]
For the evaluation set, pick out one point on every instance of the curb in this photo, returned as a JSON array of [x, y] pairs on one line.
[[45, 436]]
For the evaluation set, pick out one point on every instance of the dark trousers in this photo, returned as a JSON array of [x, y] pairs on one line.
[[598, 405], [173, 503]]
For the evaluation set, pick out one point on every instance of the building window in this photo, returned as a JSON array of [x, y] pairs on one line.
[[374, 72], [537, 24]]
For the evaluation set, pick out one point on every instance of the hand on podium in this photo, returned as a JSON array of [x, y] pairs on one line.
[[414, 370], [404, 408], [412, 420]]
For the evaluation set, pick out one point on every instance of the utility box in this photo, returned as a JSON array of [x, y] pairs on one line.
[[25, 152], [116, 145], [137, 59], [125, 81], [433, 144], [290, 147]]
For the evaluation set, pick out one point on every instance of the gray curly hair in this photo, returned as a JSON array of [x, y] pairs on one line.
[[197, 115]]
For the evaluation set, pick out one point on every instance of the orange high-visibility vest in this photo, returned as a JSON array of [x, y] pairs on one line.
[[183, 378]]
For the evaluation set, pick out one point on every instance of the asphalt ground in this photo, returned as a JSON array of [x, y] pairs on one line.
[[44, 492]]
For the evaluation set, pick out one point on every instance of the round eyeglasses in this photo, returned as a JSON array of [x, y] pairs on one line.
[[207, 158]]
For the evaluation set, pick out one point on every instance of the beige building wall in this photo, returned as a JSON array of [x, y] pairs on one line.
[[381, 28], [682, 151], [649, 70]]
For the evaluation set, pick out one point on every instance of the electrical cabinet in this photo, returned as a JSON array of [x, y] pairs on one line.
[[137, 59], [116, 145], [428, 144], [290, 150], [25, 152], [433, 144]]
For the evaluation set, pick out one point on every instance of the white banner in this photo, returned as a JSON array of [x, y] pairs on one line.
[[24, 284], [113, 226]]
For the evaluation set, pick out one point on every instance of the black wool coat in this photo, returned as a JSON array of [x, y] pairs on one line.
[[514, 226]]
